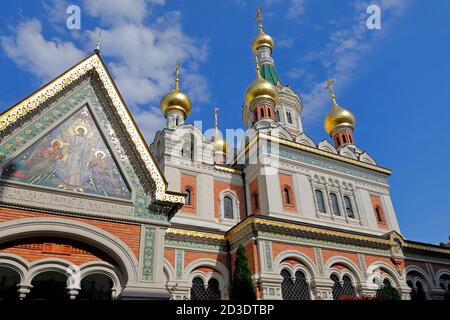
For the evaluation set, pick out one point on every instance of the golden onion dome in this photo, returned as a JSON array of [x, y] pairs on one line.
[[260, 89], [220, 144], [176, 100], [337, 118], [262, 39]]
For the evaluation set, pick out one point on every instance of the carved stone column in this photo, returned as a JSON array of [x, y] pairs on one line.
[[73, 293], [270, 286], [23, 290], [322, 288]]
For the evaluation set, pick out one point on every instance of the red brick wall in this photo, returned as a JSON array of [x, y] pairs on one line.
[[278, 247], [238, 190], [190, 256], [40, 248], [128, 233], [327, 254], [286, 181], [189, 182], [169, 254], [371, 259]]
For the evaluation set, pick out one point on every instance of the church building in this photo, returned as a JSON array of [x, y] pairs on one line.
[[89, 210]]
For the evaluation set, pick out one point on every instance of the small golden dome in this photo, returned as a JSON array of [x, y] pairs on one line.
[[259, 89], [337, 118], [262, 39], [176, 100], [220, 144]]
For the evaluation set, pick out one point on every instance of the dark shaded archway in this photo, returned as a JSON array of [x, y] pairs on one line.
[[96, 287], [9, 279], [49, 285]]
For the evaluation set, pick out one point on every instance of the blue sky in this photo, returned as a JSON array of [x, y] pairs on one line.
[[395, 80]]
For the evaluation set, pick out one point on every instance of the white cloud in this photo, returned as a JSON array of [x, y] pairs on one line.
[[149, 122], [44, 58], [143, 60], [296, 8], [345, 49], [141, 56]]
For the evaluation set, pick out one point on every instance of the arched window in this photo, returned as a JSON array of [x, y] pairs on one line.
[[188, 147], [287, 195], [289, 117], [187, 198], [213, 291], [301, 287], [337, 288], [335, 204], [198, 291], [228, 207], [320, 201], [9, 279], [261, 112], [277, 115], [387, 283], [269, 113], [347, 287], [349, 207], [344, 138], [379, 214], [419, 293], [287, 285], [255, 201]]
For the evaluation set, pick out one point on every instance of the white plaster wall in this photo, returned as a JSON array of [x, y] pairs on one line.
[[390, 213], [205, 196], [305, 195], [173, 177]]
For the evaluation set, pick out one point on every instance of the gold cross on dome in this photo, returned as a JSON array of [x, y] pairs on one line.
[[216, 120], [259, 19], [177, 77], [329, 87]]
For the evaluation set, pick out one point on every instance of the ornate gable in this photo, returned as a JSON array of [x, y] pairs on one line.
[[75, 138]]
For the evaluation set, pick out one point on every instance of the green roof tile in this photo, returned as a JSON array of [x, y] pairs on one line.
[[269, 73]]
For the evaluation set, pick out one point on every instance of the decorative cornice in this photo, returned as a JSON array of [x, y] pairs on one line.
[[306, 229], [95, 63], [313, 150], [325, 153], [425, 247], [195, 234], [228, 169]]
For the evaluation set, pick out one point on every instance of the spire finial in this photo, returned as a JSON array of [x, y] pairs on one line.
[[216, 121], [259, 19], [330, 87], [97, 46], [177, 77]]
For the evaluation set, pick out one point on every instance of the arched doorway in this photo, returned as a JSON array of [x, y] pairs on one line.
[[9, 279], [96, 287], [49, 285]]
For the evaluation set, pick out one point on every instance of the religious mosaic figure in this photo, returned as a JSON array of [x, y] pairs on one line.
[[74, 157]]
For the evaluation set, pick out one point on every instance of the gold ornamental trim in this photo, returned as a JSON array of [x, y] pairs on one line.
[[306, 229], [325, 153], [195, 234], [94, 62], [227, 169], [426, 248]]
